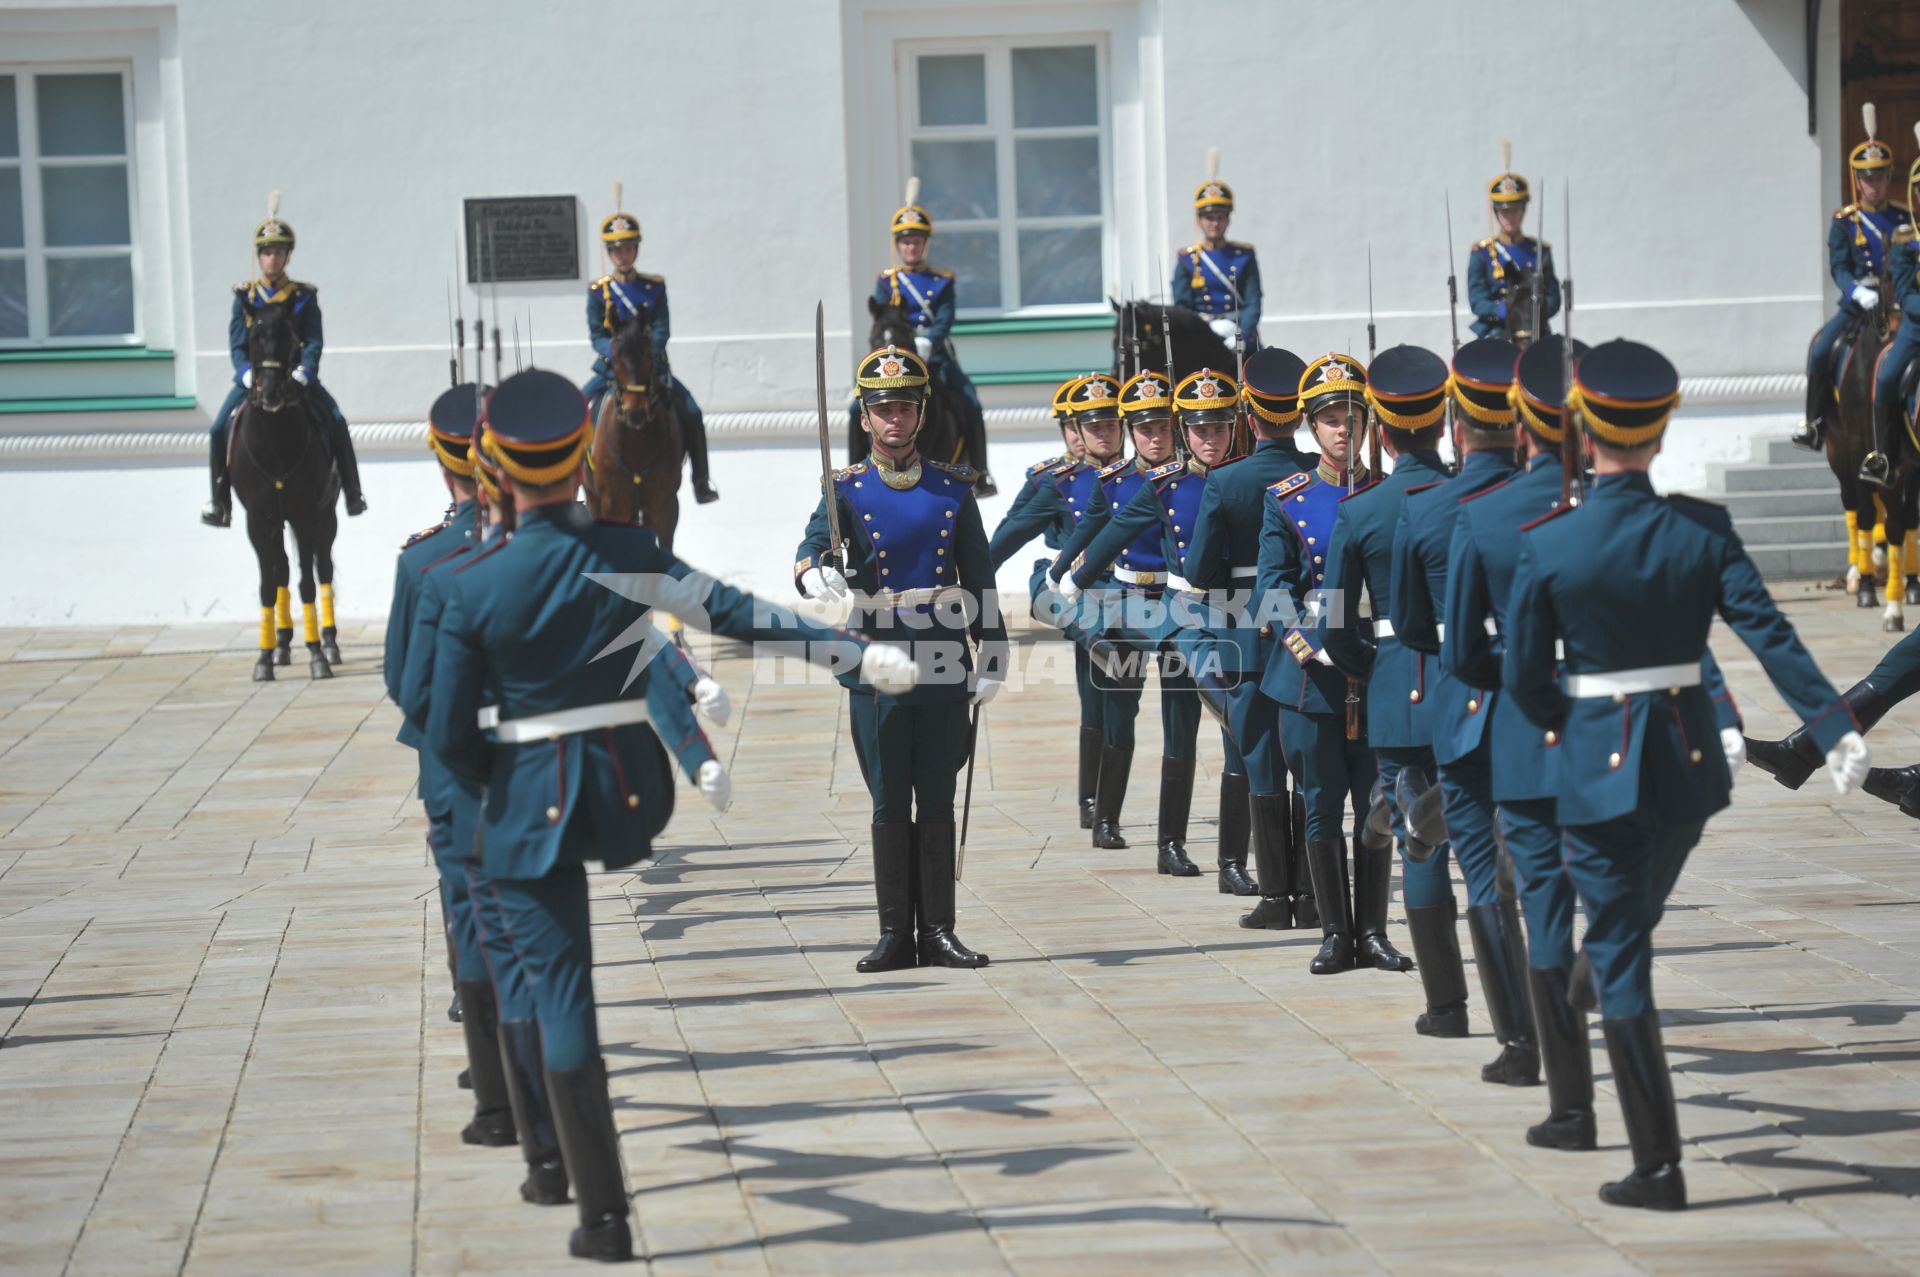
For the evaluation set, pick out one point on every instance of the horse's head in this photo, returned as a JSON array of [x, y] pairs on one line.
[[272, 349], [892, 325], [634, 365]]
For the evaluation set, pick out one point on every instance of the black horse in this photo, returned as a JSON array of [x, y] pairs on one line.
[[284, 475], [941, 436], [1140, 341], [1848, 441]]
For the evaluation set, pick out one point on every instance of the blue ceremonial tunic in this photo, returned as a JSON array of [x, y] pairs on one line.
[[1493, 264], [1221, 283]]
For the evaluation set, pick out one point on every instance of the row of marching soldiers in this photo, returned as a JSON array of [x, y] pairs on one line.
[[1529, 692]]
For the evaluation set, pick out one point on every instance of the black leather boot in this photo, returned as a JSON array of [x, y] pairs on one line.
[[1583, 988], [1436, 955], [546, 1182], [1812, 430], [1108, 796], [1176, 804], [1792, 760], [1235, 833], [693, 431], [1645, 1087], [1501, 954], [583, 1116], [939, 947], [1897, 785], [1089, 776], [1568, 1060], [219, 511], [1372, 885], [1271, 821], [1327, 861], [492, 1123], [1306, 915], [893, 889], [348, 466]]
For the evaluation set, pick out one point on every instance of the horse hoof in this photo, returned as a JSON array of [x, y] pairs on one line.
[[332, 652], [263, 670], [282, 656], [1913, 591], [1866, 598], [1895, 625], [318, 668]]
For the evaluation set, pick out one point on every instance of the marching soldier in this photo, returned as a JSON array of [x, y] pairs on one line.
[[1214, 276], [1889, 409], [572, 770], [1322, 712], [273, 243], [928, 295], [917, 554], [1502, 267], [626, 294], [1107, 710], [1634, 726], [1224, 554], [1860, 240], [1893, 680], [1458, 714]]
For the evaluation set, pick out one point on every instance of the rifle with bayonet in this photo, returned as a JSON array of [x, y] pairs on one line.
[[832, 558]]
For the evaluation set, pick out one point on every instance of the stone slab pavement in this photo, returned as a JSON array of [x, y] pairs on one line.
[[223, 1046]]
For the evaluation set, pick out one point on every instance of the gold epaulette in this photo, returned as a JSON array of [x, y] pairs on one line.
[[651, 279], [1287, 485], [847, 472], [1113, 468], [1848, 211], [966, 474], [1166, 471], [1903, 234], [1068, 466], [941, 271], [602, 282], [1234, 243], [424, 533], [1046, 464]]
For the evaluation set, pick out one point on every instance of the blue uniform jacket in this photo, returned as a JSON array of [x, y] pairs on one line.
[[1207, 280], [928, 295], [1457, 711], [1135, 545], [1491, 267], [1629, 580], [1229, 534], [247, 298], [524, 626], [1362, 556], [1038, 476], [928, 536], [1059, 501], [1160, 511], [611, 302], [1295, 530], [459, 528], [1859, 243]]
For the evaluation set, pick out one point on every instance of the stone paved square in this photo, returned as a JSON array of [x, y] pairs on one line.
[[223, 994]]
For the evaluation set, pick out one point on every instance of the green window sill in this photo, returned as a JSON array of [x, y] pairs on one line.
[[121, 403], [1044, 324], [76, 356]]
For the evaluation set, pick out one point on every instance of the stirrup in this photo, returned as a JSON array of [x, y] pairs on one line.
[[1810, 435], [216, 515], [1877, 470]]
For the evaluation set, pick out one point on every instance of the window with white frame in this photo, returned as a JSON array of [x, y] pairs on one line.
[[66, 208], [1009, 141]]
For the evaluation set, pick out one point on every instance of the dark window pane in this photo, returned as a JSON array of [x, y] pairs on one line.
[[81, 115], [1060, 266], [89, 296], [957, 179], [1057, 177], [1055, 88], [13, 232], [13, 297], [974, 259], [85, 207], [9, 119], [953, 89]]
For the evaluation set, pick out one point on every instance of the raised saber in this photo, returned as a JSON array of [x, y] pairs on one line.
[[1453, 280], [1569, 444], [832, 557]]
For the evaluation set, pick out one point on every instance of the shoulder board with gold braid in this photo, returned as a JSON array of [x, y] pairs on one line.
[[966, 474], [1168, 470], [1486, 244], [1067, 466], [1550, 515], [1046, 463], [651, 279], [1234, 243], [847, 472], [941, 271], [1844, 212], [1288, 485], [1362, 490], [602, 282], [1903, 233], [1113, 468], [424, 533]]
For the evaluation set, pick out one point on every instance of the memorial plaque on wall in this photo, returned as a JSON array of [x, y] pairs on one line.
[[523, 237]]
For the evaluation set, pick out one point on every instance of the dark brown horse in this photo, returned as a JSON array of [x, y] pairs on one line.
[[633, 469], [1893, 510], [1140, 340], [940, 435], [284, 477]]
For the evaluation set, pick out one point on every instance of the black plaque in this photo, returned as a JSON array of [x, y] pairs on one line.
[[523, 237]]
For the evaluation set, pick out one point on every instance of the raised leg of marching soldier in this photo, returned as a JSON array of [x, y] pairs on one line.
[[1092, 722], [1892, 681], [1493, 921], [1179, 734]]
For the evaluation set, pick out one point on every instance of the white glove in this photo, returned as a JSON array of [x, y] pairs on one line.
[[712, 700], [1225, 329], [246, 380], [824, 583], [1847, 762], [1734, 746], [1865, 296], [985, 690], [715, 784], [1068, 589], [925, 346], [888, 669], [302, 376]]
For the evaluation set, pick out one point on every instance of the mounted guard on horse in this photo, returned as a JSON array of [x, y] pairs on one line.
[[1215, 277], [273, 243], [1502, 268]]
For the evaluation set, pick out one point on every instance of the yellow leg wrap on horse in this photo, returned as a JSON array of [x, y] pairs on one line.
[[266, 629], [326, 604], [310, 622], [1912, 547], [1895, 557], [1853, 539], [283, 608], [1866, 552]]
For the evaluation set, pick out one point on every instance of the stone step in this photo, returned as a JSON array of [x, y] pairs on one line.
[[1804, 561], [1825, 529], [1807, 476], [1783, 452], [1753, 505]]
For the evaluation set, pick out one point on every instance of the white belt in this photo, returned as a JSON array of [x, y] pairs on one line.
[[899, 600], [1240, 571], [1177, 582], [1627, 682], [1131, 577], [564, 722]]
